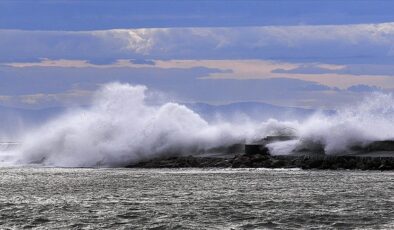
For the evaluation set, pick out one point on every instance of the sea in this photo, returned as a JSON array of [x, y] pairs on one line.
[[118, 198]]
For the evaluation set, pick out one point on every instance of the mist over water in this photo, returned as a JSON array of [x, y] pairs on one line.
[[121, 127]]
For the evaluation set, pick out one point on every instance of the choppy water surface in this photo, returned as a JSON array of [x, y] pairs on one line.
[[195, 198]]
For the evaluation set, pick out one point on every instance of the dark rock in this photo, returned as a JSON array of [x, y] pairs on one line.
[[386, 145], [267, 161], [254, 149], [278, 163]]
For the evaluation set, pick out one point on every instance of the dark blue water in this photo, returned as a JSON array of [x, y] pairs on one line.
[[194, 199]]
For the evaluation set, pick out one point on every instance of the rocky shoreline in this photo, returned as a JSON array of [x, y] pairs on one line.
[[266, 161]]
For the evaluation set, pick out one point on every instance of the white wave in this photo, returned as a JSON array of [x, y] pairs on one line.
[[120, 128]]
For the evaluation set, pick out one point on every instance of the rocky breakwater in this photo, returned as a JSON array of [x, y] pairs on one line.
[[378, 155], [264, 161]]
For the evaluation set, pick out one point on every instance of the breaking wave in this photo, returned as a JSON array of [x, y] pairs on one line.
[[121, 127]]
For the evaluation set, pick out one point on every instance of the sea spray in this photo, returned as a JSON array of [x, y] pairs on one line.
[[371, 119], [120, 127]]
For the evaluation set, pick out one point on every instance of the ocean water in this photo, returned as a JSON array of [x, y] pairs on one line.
[[75, 198]]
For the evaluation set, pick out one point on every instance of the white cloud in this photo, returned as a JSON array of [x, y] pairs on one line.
[[267, 42], [138, 41]]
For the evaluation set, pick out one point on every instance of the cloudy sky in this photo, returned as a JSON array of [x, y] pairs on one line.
[[314, 54]]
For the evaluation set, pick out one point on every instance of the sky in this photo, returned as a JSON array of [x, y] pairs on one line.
[[311, 54]]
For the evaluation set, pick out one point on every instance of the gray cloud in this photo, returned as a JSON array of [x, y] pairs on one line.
[[358, 49]]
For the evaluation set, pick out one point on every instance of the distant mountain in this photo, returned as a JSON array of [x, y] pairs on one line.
[[253, 110]]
